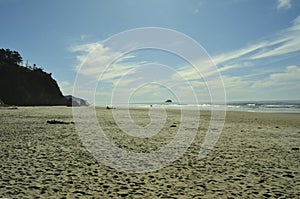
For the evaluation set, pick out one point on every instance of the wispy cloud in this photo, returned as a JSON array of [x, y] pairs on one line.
[[284, 4], [285, 42], [94, 57], [281, 46], [291, 43], [114, 72]]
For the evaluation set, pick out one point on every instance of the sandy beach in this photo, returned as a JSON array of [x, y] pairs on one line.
[[256, 156]]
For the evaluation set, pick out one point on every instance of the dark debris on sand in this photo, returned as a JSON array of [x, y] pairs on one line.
[[58, 122]]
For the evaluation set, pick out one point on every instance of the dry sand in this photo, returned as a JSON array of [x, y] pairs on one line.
[[257, 156]]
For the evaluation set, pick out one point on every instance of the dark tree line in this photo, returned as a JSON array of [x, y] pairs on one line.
[[13, 58]]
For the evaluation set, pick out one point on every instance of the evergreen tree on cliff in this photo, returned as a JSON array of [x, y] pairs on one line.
[[10, 57], [26, 86]]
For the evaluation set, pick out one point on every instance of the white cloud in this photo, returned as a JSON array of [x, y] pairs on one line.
[[94, 59], [84, 47], [285, 42], [291, 73], [284, 4], [290, 77]]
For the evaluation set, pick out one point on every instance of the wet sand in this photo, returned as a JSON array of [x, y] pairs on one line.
[[257, 156]]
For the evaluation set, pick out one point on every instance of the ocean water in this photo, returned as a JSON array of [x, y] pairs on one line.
[[291, 106]]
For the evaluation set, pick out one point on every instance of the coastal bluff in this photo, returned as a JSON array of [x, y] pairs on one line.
[[26, 85]]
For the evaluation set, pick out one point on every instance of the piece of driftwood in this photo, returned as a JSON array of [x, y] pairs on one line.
[[58, 122]]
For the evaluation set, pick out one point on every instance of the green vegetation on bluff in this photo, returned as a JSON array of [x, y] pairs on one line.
[[27, 86]]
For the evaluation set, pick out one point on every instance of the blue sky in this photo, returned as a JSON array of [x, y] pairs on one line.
[[255, 44]]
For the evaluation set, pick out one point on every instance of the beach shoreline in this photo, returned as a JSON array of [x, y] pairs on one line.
[[257, 155]]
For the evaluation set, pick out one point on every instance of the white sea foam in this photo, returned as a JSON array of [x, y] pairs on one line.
[[272, 107]]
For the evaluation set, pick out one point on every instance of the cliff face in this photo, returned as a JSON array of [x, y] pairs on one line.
[[29, 87], [76, 101]]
